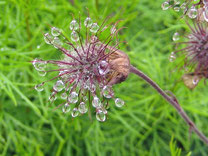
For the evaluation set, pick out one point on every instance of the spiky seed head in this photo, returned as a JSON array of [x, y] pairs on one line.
[[88, 68], [196, 53]]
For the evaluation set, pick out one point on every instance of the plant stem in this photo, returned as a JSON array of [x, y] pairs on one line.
[[172, 101]]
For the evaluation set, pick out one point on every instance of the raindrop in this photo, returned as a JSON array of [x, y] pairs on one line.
[[59, 86], [107, 92], [119, 102], [192, 12], [66, 108], [57, 42], [103, 67], [74, 25], [92, 88], [55, 31], [94, 38], [42, 73], [64, 95], [82, 108], [183, 6], [165, 5], [85, 98], [176, 36], [96, 102], [102, 109], [39, 87], [74, 112], [100, 116], [48, 38], [205, 2], [177, 9], [205, 13], [74, 36], [88, 22], [94, 27], [39, 64], [177, 2], [73, 97], [172, 57]]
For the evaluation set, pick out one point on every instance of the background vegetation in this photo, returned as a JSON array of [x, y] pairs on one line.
[[147, 125]]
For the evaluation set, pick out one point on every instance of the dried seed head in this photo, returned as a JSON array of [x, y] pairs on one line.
[[196, 54], [88, 69], [120, 67]]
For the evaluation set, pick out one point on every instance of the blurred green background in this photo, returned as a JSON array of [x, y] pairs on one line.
[[147, 125]]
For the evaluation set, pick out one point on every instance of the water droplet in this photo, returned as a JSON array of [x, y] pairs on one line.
[[64, 95], [52, 97], [195, 80], [66, 108], [48, 38], [85, 98], [59, 86], [165, 5], [55, 31], [176, 36], [103, 67], [39, 64], [38, 46], [73, 97], [177, 9], [172, 57], [39, 87], [183, 6], [113, 29], [74, 25], [205, 13], [107, 92], [205, 2], [119, 102], [57, 42], [82, 108], [192, 12], [96, 102], [94, 27], [94, 39], [92, 88], [74, 112], [102, 109], [42, 73], [100, 116], [2, 49], [177, 2], [74, 36], [88, 22]]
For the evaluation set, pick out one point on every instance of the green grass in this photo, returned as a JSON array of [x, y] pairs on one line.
[[147, 125]]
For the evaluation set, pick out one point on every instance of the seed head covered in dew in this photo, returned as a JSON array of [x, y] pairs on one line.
[[195, 51], [194, 9], [88, 69]]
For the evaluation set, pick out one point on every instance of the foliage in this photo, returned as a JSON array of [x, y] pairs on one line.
[[144, 126]]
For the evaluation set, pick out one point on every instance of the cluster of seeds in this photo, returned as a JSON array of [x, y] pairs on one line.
[[192, 8], [82, 79], [195, 50]]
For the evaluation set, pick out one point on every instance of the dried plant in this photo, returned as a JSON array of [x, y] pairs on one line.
[[90, 66]]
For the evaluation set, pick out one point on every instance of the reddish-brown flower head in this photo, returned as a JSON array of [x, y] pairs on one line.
[[196, 52], [86, 72]]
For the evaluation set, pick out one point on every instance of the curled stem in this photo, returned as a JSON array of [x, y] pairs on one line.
[[172, 101]]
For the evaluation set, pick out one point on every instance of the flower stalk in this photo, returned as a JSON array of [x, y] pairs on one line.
[[171, 100]]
